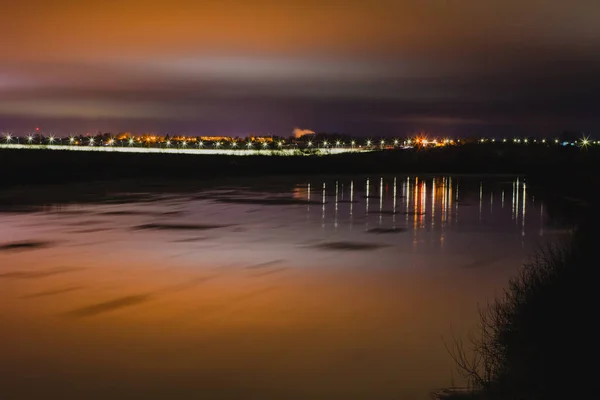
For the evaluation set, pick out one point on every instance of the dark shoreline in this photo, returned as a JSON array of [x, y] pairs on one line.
[[40, 166]]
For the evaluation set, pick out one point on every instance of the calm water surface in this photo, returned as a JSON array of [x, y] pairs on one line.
[[278, 289]]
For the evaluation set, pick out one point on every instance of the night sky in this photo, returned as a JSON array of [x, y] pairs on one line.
[[371, 68]]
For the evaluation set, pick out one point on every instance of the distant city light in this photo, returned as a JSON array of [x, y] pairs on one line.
[[226, 144], [585, 141]]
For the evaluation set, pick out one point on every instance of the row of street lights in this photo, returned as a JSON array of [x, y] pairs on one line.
[[584, 141], [200, 144], [370, 144]]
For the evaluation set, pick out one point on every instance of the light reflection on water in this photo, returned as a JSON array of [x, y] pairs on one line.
[[234, 293]]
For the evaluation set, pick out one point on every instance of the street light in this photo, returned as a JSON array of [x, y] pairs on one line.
[[8, 138], [395, 142], [249, 145], [29, 139], [200, 144], [51, 139], [585, 141], [309, 144], [91, 143], [265, 145], [71, 139], [369, 143]]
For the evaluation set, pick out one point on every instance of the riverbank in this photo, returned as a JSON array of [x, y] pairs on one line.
[[532, 339], [38, 166]]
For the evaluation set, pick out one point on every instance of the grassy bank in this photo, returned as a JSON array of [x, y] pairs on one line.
[[45, 166], [535, 341]]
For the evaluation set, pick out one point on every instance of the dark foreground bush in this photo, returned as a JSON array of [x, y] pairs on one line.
[[537, 340]]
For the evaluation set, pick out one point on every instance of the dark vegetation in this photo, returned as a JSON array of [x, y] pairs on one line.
[[55, 166], [536, 340]]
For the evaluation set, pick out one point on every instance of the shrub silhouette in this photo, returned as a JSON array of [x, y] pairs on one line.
[[532, 342]]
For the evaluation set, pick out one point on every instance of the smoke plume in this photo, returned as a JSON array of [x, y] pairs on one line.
[[298, 133]]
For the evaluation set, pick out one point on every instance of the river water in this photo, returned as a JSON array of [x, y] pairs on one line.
[[285, 288]]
